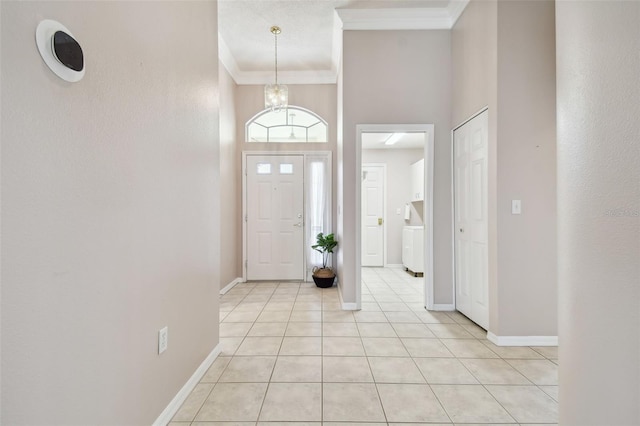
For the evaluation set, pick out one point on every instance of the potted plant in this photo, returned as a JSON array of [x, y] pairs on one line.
[[324, 277]]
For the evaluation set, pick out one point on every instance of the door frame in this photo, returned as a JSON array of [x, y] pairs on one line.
[[428, 130], [384, 209], [453, 202], [304, 154]]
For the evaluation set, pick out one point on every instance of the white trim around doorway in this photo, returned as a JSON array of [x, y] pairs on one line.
[[428, 130]]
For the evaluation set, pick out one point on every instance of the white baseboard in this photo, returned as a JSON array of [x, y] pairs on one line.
[[231, 285], [444, 307], [522, 340], [167, 414]]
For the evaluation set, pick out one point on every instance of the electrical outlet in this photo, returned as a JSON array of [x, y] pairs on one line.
[[163, 340]]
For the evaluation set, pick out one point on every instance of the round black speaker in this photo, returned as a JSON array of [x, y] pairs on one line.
[[67, 50]]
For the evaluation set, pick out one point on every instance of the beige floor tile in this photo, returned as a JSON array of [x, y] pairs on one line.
[[260, 346], [344, 402], [394, 306], [344, 329], [426, 348], [342, 346], [550, 352], [370, 307], [352, 424], [337, 316], [367, 316], [306, 316], [304, 329], [413, 330], [470, 404], [229, 345], [248, 369], [384, 346], [467, 348], [307, 306], [278, 306], [445, 371], [332, 306], [410, 403], [250, 306], [273, 329], [215, 371], [346, 369], [298, 402], [460, 318], [241, 316], [476, 331], [235, 329], [222, 315], [449, 331], [431, 317], [286, 424], [494, 372], [301, 346], [552, 391], [527, 404], [395, 370], [303, 369], [372, 329], [192, 404], [403, 317], [539, 371], [513, 352], [274, 316], [233, 402], [222, 424]]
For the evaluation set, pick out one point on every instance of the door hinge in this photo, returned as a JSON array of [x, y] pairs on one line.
[[246, 218]]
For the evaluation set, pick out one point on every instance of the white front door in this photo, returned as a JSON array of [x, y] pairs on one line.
[[471, 225], [372, 215], [275, 217]]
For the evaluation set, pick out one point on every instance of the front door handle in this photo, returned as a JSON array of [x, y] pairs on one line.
[[379, 221], [299, 224]]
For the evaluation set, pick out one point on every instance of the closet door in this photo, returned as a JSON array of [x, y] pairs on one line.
[[471, 225]]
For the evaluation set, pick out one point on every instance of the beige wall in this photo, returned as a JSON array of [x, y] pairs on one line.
[[397, 77], [398, 162], [110, 212], [504, 58], [231, 187], [599, 211]]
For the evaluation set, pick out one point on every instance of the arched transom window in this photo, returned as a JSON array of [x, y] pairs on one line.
[[293, 124]]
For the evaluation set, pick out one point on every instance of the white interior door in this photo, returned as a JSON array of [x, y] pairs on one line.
[[275, 217], [471, 225], [373, 215]]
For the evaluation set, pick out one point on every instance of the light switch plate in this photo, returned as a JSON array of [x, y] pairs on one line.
[[516, 206]]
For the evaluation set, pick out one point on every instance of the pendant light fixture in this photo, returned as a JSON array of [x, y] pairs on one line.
[[276, 96]]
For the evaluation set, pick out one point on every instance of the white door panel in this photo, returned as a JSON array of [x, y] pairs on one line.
[[275, 206], [372, 215], [471, 225]]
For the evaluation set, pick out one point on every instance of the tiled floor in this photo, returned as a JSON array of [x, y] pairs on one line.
[[291, 356]]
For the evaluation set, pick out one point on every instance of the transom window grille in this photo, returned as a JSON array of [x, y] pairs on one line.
[[290, 125]]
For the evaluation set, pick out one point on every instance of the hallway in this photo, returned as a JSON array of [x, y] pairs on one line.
[[290, 354]]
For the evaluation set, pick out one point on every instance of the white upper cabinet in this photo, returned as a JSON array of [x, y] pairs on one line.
[[417, 181]]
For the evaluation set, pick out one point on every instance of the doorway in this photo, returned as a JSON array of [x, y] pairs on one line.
[[401, 211]]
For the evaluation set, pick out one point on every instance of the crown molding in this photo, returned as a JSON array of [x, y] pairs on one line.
[[350, 19]]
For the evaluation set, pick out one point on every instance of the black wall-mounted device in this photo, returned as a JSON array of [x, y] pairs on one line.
[[67, 50]]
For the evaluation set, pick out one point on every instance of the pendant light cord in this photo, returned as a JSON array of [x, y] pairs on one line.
[[276, 39]]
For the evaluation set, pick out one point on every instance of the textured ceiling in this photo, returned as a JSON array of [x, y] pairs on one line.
[[307, 40]]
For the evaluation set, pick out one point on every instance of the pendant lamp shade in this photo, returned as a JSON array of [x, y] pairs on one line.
[[276, 96]]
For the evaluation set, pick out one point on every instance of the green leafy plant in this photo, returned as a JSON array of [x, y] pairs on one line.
[[325, 245]]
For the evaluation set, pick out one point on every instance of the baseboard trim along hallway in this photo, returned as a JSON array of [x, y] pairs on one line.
[[231, 285], [522, 340], [167, 414]]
